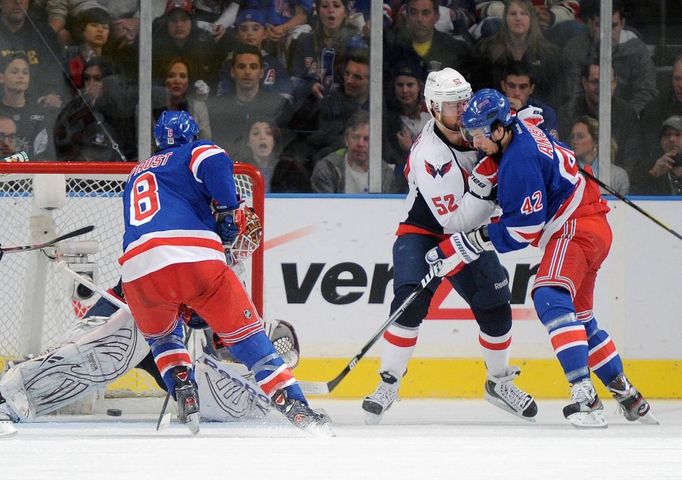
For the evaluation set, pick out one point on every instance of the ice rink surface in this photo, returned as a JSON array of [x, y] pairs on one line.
[[418, 439]]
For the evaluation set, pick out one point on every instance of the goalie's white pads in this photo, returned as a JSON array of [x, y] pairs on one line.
[[226, 392], [61, 376], [285, 340]]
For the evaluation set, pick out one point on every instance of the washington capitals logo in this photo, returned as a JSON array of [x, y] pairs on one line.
[[433, 171]]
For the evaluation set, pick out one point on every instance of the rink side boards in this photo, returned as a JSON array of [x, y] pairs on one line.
[[328, 263]]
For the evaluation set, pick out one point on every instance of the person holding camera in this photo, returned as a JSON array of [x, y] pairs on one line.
[[663, 174]]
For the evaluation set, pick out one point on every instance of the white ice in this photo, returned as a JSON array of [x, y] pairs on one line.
[[418, 439]]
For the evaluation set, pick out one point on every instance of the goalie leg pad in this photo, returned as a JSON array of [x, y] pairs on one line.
[[50, 381], [226, 392]]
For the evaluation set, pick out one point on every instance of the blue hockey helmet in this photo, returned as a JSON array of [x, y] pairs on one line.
[[175, 128], [486, 107]]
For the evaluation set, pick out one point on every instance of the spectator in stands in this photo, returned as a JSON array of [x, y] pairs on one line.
[[91, 34], [666, 104], [557, 18], [520, 38], [662, 173], [280, 173], [347, 170], [8, 138], [81, 132], [404, 118], [181, 92], [315, 56], [624, 122], [585, 143], [176, 34], [336, 109], [231, 114], [419, 39], [250, 30], [286, 20], [38, 42], [32, 120], [518, 86], [633, 64]]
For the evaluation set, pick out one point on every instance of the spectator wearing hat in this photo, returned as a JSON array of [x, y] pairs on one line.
[[662, 173], [250, 30], [315, 56], [404, 117], [666, 104], [176, 34]]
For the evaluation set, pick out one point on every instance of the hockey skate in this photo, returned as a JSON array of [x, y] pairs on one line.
[[631, 403], [187, 397], [7, 428], [381, 400], [314, 422], [501, 392], [585, 409]]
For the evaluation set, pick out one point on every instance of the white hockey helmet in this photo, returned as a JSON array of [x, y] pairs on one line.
[[446, 85]]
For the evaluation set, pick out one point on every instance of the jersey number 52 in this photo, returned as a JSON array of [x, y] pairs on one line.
[[144, 199]]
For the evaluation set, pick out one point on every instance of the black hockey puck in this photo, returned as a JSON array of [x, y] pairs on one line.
[[114, 412]]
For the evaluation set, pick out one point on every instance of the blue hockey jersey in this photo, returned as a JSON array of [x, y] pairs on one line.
[[167, 208], [539, 188]]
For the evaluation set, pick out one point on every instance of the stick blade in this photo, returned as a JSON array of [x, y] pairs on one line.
[[314, 388]]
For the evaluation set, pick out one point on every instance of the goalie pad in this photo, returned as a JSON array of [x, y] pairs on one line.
[[227, 393], [61, 376]]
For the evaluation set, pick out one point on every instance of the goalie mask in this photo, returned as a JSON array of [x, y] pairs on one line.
[[250, 234]]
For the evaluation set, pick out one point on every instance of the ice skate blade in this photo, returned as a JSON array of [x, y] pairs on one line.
[[503, 406], [7, 429], [593, 419], [372, 418], [193, 422], [648, 419]]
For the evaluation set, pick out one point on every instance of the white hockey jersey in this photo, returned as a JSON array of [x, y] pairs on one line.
[[437, 174]]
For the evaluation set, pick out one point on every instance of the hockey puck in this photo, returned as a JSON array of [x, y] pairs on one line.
[[114, 412]]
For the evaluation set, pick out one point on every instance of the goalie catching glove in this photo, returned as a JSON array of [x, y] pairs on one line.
[[453, 253]]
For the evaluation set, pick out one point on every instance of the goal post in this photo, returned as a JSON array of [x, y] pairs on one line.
[[42, 200]]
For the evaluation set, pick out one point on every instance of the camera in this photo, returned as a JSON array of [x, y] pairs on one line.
[[75, 289], [678, 160]]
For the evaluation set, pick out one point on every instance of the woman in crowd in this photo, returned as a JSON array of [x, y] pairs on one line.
[[315, 55], [520, 38], [176, 95], [585, 144], [32, 120]]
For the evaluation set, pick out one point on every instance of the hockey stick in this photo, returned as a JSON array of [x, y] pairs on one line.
[[629, 202], [38, 246], [321, 388], [165, 417]]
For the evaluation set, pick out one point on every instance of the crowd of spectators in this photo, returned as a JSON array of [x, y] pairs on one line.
[[284, 85]]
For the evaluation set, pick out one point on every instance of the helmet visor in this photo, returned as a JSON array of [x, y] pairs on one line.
[[470, 134]]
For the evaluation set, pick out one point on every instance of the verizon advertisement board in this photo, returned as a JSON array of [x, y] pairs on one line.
[[328, 270]]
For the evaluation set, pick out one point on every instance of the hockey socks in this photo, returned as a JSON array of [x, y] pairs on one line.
[[495, 352], [604, 359], [397, 349], [271, 372], [169, 352], [566, 333]]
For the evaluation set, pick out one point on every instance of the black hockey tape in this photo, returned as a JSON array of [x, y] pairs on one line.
[[114, 412]]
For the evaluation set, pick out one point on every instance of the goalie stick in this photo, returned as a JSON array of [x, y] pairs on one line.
[[629, 202], [322, 388], [38, 246]]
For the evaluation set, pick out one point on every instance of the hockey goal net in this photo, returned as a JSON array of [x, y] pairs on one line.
[[40, 201]]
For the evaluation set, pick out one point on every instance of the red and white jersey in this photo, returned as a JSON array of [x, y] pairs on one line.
[[437, 174]]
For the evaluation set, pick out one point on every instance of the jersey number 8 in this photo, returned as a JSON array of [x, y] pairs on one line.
[[144, 199]]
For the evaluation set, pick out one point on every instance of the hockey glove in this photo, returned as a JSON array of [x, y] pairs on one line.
[[483, 180], [226, 227], [451, 255]]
